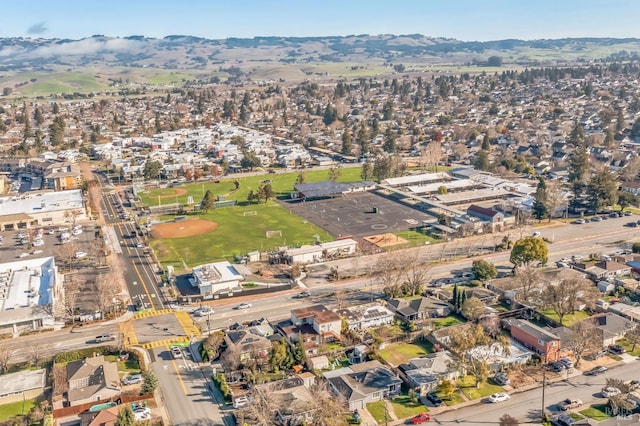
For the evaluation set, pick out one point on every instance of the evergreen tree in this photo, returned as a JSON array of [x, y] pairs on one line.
[[125, 417], [539, 202], [482, 161], [620, 123], [346, 142], [367, 170], [208, 201], [149, 383]]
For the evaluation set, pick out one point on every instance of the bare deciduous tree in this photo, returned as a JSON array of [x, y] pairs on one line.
[[71, 292], [37, 353], [6, 354], [107, 290], [329, 409], [584, 340], [527, 278], [563, 297]]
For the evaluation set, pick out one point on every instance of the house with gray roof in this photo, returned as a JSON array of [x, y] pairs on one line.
[[363, 383], [425, 373], [92, 379], [419, 309]]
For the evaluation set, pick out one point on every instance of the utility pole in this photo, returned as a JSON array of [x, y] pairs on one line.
[[543, 415]]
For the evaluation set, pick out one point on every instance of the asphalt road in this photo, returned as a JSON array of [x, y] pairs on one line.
[[185, 390], [527, 406], [139, 271]]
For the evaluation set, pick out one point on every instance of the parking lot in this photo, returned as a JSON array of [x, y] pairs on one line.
[[78, 256]]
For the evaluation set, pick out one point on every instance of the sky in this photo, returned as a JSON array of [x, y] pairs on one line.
[[466, 20]]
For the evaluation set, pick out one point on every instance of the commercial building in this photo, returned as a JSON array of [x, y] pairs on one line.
[[29, 291], [31, 210], [216, 277]]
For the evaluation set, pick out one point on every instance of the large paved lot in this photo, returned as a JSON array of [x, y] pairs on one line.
[[83, 270], [354, 214]]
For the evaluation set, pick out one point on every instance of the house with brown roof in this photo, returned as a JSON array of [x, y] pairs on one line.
[[92, 379], [249, 345], [314, 324]]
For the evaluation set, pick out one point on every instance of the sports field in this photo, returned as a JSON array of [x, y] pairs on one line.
[[242, 228]]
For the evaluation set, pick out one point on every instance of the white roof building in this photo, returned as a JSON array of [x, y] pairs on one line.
[[216, 277], [29, 292]]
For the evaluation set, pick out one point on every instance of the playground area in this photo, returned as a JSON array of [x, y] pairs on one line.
[[386, 240], [187, 228], [362, 214]]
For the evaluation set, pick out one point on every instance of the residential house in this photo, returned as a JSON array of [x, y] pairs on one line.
[[632, 187], [542, 341], [611, 327], [497, 356], [363, 383], [362, 317], [315, 324], [425, 373], [92, 379], [320, 362], [248, 345], [626, 311], [603, 269], [22, 385], [419, 309]]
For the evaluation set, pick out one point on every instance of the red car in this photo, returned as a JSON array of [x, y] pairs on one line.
[[420, 418]]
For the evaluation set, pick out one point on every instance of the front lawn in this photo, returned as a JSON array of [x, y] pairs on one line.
[[403, 407], [447, 321], [455, 399], [399, 353], [378, 411], [14, 409], [597, 412], [568, 320], [467, 385]]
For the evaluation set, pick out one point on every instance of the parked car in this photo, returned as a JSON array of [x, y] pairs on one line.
[[566, 362], [610, 391], [244, 305], [556, 367], [597, 355], [132, 380], [631, 224], [565, 420], [499, 397], [569, 404], [596, 219], [80, 254], [434, 399], [596, 370], [501, 379], [579, 221], [142, 413], [536, 234], [617, 349], [421, 418], [240, 401]]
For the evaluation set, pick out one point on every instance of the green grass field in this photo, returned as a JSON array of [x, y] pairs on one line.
[[377, 410], [14, 409], [403, 407], [400, 353], [467, 385], [598, 412], [238, 234]]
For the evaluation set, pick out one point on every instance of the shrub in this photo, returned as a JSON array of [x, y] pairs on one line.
[[225, 390], [635, 247]]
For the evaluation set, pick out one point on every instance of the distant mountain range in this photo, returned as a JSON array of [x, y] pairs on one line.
[[187, 52]]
